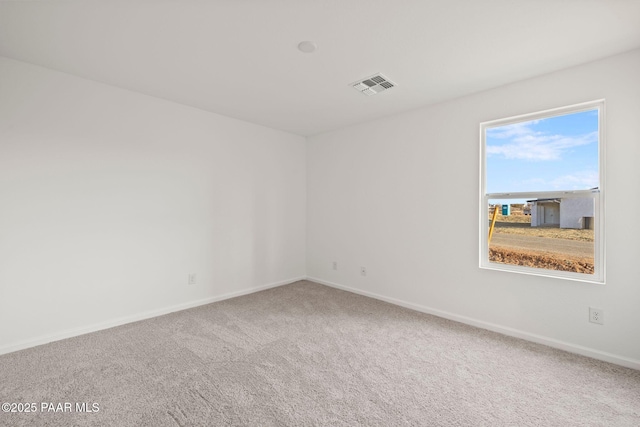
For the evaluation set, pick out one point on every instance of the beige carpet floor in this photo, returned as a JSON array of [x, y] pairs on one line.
[[306, 355]]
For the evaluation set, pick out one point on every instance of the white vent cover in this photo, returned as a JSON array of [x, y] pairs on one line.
[[372, 85]]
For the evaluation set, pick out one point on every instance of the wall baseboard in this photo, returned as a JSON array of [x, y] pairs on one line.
[[45, 339], [562, 345]]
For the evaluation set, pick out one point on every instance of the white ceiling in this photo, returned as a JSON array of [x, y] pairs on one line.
[[239, 57]]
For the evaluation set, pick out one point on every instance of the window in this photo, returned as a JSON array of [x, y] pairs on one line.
[[542, 193]]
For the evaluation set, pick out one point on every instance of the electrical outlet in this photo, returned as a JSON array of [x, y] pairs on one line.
[[335, 265], [596, 315], [192, 278], [363, 271]]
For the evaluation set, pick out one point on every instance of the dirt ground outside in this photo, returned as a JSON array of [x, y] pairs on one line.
[[548, 261], [519, 224]]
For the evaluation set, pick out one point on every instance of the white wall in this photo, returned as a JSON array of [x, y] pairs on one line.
[[108, 199], [535, 209], [546, 213], [572, 212], [400, 195]]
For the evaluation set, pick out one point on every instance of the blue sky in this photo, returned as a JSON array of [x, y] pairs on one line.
[[552, 154]]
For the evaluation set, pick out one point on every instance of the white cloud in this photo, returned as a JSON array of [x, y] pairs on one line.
[[579, 180], [508, 131], [576, 181], [526, 144]]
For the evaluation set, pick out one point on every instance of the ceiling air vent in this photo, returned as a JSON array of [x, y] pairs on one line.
[[372, 85]]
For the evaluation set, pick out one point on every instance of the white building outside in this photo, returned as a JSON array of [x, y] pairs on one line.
[[566, 213]]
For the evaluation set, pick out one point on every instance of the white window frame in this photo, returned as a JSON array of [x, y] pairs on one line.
[[598, 195]]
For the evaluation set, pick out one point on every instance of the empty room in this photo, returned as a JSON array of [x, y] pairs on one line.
[[319, 213]]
